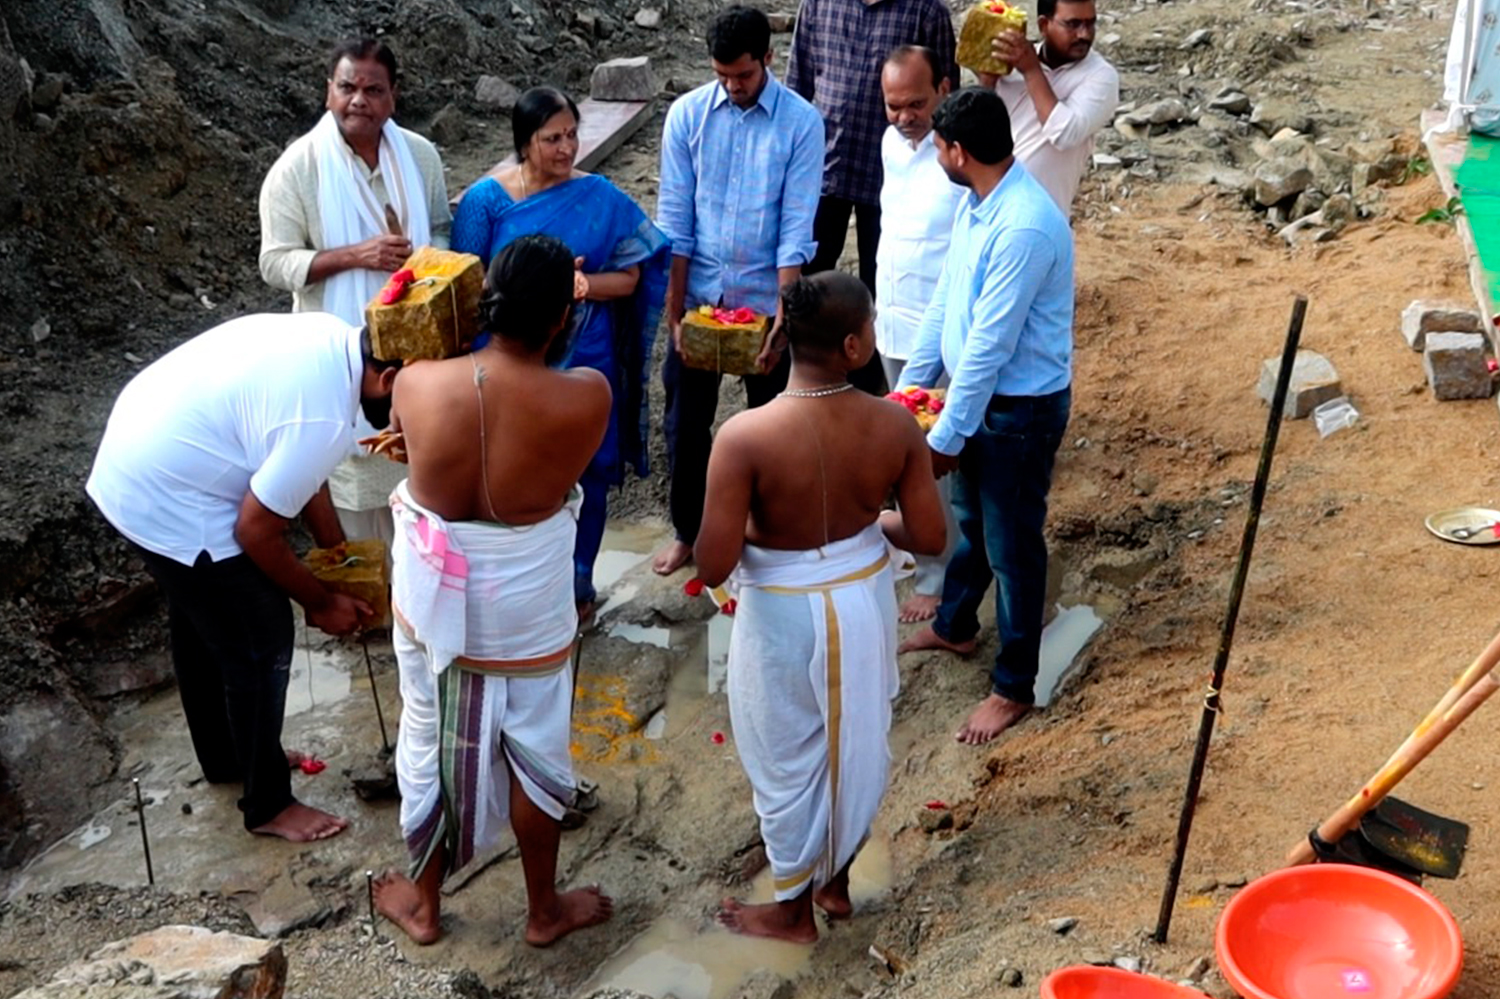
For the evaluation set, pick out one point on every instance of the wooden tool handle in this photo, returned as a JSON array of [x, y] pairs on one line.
[[1423, 741]]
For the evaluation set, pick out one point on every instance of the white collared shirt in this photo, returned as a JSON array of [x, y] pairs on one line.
[[262, 404], [917, 204], [1057, 152]]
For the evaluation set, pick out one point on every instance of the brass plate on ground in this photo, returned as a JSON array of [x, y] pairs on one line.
[[1452, 525]]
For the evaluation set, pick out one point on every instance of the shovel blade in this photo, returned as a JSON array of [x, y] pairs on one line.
[[1431, 844]]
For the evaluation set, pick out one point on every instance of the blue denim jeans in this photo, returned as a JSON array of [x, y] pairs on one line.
[[1000, 500]]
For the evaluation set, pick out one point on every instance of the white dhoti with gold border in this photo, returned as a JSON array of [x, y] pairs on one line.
[[812, 673]]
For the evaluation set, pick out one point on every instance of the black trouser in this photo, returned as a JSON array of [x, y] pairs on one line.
[[830, 229], [692, 403], [232, 640]]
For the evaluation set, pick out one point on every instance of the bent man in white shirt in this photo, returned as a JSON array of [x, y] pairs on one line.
[[1059, 94], [208, 455], [917, 204]]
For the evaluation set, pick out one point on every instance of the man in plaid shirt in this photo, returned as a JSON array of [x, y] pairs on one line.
[[837, 53]]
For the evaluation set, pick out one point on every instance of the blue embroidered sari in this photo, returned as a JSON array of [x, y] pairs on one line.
[[600, 223]]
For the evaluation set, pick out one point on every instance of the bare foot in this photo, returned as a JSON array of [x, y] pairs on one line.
[[994, 715], [772, 920], [586, 610], [298, 823], [833, 899], [918, 607], [671, 558], [398, 899], [929, 639], [575, 910]]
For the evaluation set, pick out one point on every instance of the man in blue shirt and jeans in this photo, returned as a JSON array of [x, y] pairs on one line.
[[1001, 326], [741, 170]]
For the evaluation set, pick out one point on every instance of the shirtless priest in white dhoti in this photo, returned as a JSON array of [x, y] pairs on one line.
[[483, 596], [795, 490]]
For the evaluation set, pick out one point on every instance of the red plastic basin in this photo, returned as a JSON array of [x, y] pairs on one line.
[[1087, 982], [1335, 931]]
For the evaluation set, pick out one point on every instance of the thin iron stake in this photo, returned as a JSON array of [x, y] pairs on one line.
[[370, 894], [385, 743], [140, 811], [1231, 616]]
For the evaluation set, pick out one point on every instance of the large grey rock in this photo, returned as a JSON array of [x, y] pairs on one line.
[[1425, 316], [1281, 178], [1231, 102], [493, 92], [174, 962], [629, 79], [449, 127], [1381, 172], [1455, 366], [1272, 116], [1314, 381], [782, 24], [1165, 112]]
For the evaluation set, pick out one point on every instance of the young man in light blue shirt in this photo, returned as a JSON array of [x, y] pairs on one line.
[[741, 172], [1000, 325]]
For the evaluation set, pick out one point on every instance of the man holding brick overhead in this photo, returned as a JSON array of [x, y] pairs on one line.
[[209, 453], [837, 54], [342, 209], [1059, 93], [741, 163], [1001, 327]]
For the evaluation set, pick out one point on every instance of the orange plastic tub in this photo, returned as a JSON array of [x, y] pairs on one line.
[[1335, 931], [1084, 981]]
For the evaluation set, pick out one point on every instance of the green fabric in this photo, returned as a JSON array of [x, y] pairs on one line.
[[1478, 179]]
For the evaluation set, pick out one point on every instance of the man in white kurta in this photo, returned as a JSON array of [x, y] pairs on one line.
[[1059, 95], [341, 210], [917, 203]]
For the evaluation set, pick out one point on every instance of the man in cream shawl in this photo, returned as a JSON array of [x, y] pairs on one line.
[[342, 209]]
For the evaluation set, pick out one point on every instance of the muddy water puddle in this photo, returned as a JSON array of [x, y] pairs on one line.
[[674, 958]]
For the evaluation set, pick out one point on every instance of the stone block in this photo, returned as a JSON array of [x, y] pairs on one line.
[[448, 126], [1272, 116], [1455, 366], [1314, 382], [624, 80], [1423, 317], [1278, 179], [493, 92], [782, 24], [180, 962]]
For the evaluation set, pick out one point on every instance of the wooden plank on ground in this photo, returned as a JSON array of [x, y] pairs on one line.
[[1445, 151], [603, 127]]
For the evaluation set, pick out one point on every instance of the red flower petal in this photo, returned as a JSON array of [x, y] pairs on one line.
[[729, 607], [717, 738], [936, 805], [693, 587], [312, 765]]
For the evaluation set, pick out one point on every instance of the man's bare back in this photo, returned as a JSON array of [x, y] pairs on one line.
[[836, 457], [800, 473], [541, 429]]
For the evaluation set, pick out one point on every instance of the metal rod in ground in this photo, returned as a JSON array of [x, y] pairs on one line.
[[385, 743], [370, 894], [1231, 616], [140, 812]]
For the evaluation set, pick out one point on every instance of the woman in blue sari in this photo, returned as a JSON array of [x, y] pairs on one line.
[[622, 280]]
